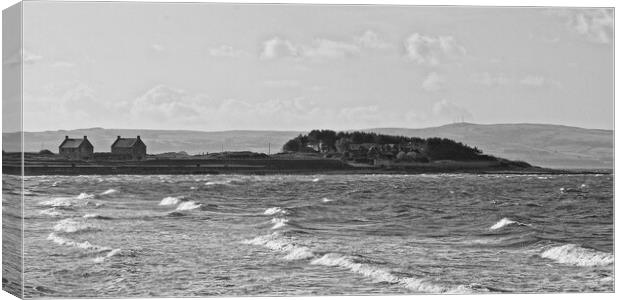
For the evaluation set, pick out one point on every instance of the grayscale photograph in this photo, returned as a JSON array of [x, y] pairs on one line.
[[154, 149]]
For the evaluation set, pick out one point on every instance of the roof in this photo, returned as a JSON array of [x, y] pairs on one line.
[[71, 143], [124, 142]]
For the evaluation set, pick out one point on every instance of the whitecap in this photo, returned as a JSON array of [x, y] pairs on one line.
[[275, 210], [189, 205], [71, 243], [278, 222], [326, 200], [170, 201], [505, 222], [58, 202], [382, 275], [219, 182], [84, 196], [50, 212], [108, 192], [277, 243], [316, 179], [572, 254], [101, 259], [73, 225]]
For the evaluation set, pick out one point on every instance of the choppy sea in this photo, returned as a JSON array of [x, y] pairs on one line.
[[200, 235]]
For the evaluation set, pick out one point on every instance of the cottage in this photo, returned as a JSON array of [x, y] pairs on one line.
[[129, 148], [76, 148]]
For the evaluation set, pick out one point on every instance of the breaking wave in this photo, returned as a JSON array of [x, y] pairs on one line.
[[108, 192], [505, 222], [71, 243], [327, 200], [189, 205], [275, 210], [277, 243], [381, 275], [278, 222], [84, 196], [50, 212], [168, 201], [101, 259], [572, 254], [73, 226]]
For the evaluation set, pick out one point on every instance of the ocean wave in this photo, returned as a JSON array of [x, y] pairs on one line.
[[108, 192], [277, 243], [101, 259], [85, 196], [95, 216], [73, 226], [169, 201], [219, 182], [572, 254], [278, 222], [325, 200], [189, 205], [58, 202], [316, 179], [50, 212], [382, 275], [505, 222], [63, 241], [275, 210]]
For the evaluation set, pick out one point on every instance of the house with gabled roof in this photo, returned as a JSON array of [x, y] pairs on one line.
[[129, 148], [76, 148]]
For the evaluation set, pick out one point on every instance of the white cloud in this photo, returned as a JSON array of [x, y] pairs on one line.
[[285, 83], [29, 57], [163, 103], [430, 50], [595, 24], [433, 82], [158, 47], [370, 39], [488, 79], [324, 48], [537, 81], [226, 51], [278, 48], [448, 110], [63, 64]]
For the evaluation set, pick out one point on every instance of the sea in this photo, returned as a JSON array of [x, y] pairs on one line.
[[288, 235]]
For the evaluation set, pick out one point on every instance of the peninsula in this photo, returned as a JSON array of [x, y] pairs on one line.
[[318, 152]]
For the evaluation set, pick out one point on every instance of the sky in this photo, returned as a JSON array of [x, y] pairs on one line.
[[218, 67]]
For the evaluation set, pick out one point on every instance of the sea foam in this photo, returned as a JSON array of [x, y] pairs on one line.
[[382, 275], [73, 225], [277, 243], [71, 243], [505, 222], [278, 222], [275, 210], [170, 201], [189, 205], [572, 254], [108, 192], [50, 212]]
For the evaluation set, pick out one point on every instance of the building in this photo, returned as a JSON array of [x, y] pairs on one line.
[[76, 148], [129, 148]]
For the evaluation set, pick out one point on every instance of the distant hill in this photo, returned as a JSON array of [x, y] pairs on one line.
[[552, 146], [539, 144]]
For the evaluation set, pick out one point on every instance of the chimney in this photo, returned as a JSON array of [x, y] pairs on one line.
[[66, 137], [85, 138], [138, 137], [118, 137]]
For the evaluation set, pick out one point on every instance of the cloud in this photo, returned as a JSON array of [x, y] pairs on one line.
[[63, 64], [595, 24], [488, 79], [324, 48], [370, 39], [448, 110], [162, 103], [281, 83], [433, 82], [432, 51], [158, 47], [29, 57], [226, 51], [277, 47], [537, 81]]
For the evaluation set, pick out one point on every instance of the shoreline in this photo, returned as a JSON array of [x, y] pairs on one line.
[[186, 170]]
